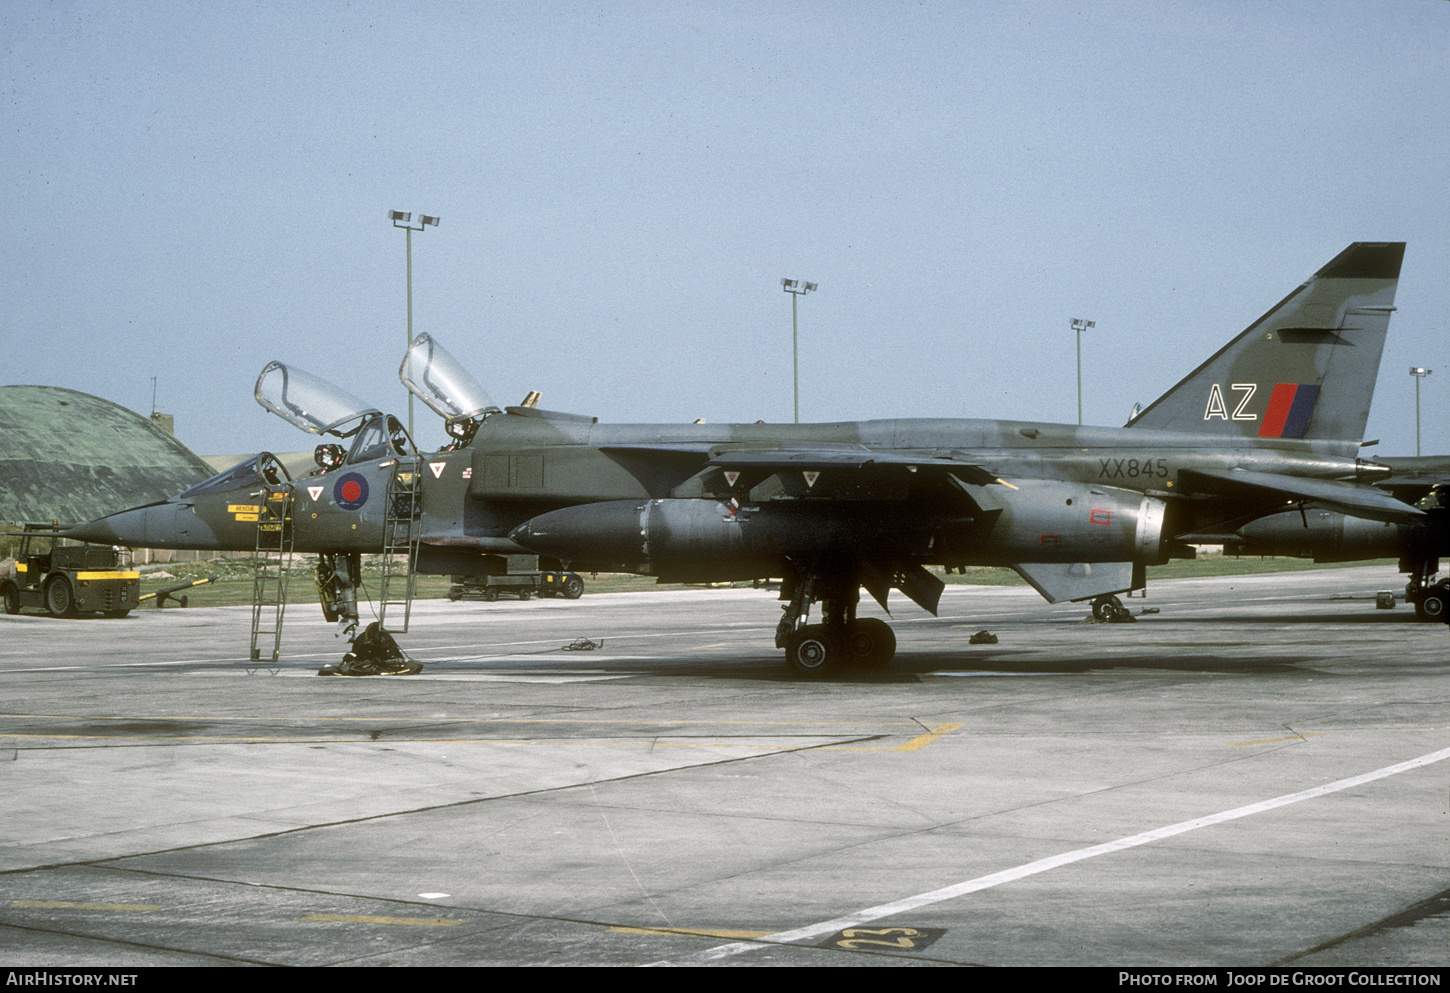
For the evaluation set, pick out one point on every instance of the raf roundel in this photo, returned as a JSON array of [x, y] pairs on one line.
[[350, 492]]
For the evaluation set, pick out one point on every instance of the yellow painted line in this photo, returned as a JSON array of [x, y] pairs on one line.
[[410, 921], [57, 904], [700, 932], [914, 745], [108, 575], [1270, 741]]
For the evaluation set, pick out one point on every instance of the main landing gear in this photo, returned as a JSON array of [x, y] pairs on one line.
[[841, 639], [1431, 599]]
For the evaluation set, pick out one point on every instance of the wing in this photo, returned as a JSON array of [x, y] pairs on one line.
[[850, 457], [660, 468], [1353, 499]]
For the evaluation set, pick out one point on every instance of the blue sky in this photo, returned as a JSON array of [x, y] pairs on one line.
[[197, 189]]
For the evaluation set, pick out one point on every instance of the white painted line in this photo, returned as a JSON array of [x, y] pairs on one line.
[[1014, 675], [1042, 865]]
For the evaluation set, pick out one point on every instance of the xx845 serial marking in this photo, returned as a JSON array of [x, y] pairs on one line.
[[1129, 468]]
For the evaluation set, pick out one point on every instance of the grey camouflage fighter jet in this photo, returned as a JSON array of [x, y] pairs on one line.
[[1272, 422]]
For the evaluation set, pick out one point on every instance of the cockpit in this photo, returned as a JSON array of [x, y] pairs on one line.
[[263, 467], [318, 407], [381, 437]]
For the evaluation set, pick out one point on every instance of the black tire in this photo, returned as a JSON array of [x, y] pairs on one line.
[[1433, 604], [1104, 607], [490, 594], [813, 652], [60, 599], [871, 642], [573, 587], [11, 595], [524, 594]]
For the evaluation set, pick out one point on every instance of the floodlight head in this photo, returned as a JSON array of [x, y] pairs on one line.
[[428, 220], [398, 215], [786, 284], [810, 286], [1417, 371]]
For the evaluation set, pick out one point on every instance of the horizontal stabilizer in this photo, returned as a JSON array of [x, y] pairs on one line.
[[1059, 581], [1353, 499]]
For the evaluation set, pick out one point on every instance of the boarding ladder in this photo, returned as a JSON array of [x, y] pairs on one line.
[[270, 564], [403, 507]]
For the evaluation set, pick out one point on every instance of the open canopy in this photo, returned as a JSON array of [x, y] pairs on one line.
[[437, 378], [312, 404]]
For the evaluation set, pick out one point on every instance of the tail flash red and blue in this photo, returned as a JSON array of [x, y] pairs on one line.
[[1290, 407]]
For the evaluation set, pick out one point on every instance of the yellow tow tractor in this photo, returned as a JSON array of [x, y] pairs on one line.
[[67, 580]]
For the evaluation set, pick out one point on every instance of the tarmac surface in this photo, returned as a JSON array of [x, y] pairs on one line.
[[1257, 775]]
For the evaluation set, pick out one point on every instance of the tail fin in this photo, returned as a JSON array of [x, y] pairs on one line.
[[1306, 369]]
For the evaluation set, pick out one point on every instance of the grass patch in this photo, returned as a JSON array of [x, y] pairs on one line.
[[1208, 565], [234, 584]]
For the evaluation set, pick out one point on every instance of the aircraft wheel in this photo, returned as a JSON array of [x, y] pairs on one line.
[[1433, 604], [813, 651], [1104, 607], [871, 642], [11, 593], [490, 594], [573, 587], [59, 598]]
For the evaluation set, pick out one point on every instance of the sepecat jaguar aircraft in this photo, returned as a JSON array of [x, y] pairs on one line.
[[1272, 422]]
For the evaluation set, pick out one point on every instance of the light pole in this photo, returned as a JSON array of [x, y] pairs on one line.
[[796, 289], [1079, 325], [1419, 374], [405, 221]]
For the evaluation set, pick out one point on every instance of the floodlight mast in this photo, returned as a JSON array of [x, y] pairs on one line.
[[796, 289], [1419, 373], [1079, 325], [404, 220]]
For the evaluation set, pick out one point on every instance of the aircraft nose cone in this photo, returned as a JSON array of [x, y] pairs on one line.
[[158, 525], [125, 528]]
